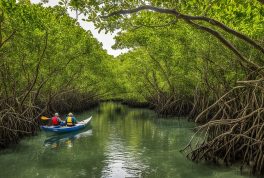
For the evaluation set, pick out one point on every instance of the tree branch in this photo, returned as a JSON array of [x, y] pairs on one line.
[[188, 17], [252, 65], [155, 26], [8, 38], [37, 69]]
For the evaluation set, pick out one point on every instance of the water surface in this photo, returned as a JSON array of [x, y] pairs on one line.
[[121, 142]]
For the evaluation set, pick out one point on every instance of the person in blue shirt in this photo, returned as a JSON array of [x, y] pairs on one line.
[[70, 120]]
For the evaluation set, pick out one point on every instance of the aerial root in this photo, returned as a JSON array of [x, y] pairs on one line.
[[15, 124], [235, 132]]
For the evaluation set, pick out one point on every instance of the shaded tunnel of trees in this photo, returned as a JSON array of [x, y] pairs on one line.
[[198, 59]]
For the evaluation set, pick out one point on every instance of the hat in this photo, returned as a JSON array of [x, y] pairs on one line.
[[56, 114], [70, 114]]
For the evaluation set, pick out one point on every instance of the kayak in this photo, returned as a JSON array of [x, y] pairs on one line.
[[64, 129]]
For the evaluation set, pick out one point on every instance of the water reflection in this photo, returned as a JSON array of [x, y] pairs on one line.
[[122, 161], [123, 142], [66, 139]]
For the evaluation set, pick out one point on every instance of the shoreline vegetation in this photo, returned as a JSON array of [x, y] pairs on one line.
[[208, 68]]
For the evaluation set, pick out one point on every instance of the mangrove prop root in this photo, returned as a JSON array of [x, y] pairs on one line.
[[15, 124], [168, 104], [235, 133], [18, 120]]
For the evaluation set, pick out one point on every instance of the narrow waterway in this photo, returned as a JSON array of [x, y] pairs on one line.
[[121, 142]]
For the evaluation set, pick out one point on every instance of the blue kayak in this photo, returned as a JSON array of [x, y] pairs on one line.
[[64, 129]]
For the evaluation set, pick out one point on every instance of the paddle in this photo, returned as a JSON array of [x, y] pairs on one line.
[[44, 118]]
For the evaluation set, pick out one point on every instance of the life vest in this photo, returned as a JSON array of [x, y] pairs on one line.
[[69, 121], [55, 120]]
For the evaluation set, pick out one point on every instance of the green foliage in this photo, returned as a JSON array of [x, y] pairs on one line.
[[169, 56], [166, 54], [241, 15], [50, 47]]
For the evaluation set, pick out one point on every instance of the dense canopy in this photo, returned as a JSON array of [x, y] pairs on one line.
[[200, 59]]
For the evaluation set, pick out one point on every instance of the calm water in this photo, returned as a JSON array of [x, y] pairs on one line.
[[121, 142]]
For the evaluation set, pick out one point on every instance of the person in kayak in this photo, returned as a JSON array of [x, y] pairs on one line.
[[71, 120], [55, 120]]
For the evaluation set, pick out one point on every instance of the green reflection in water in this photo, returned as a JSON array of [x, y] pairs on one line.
[[121, 142]]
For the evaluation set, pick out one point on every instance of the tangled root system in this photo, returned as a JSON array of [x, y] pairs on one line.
[[236, 130]]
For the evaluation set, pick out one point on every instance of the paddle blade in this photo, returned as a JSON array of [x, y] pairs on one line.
[[44, 118]]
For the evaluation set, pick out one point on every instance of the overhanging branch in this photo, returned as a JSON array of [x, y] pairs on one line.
[[188, 17], [155, 26]]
